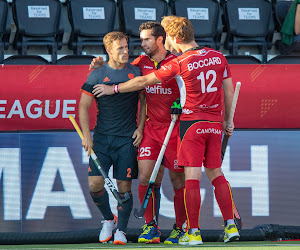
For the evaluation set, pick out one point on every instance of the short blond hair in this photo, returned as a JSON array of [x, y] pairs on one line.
[[167, 19], [180, 28], [113, 36]]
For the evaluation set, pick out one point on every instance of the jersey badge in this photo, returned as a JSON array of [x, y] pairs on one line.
[[130, 76]]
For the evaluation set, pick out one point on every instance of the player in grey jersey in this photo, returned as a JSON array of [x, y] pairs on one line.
[[116, 134]]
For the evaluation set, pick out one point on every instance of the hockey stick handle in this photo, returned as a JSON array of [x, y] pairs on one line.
[[233, 105], [95, 159], [162, 151], [71, 118], [230, 119]]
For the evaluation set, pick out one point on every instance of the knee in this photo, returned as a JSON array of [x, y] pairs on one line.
[[177, 180], [95, 184], [213, 173], [124, 186]]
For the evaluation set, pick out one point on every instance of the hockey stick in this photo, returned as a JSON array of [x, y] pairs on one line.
[[95, 159], [140, 213], [237, 216]]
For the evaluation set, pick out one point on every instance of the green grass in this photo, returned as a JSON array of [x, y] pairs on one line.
[[241, 245]]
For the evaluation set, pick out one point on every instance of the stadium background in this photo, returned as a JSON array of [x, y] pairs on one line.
[[44, 170]]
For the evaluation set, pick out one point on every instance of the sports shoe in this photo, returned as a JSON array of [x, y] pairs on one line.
[[231, 233], [191, 239], [150, 234], [119, 238], [174, 236], [107, 229]]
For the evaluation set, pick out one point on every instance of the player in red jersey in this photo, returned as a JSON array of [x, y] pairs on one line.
[[158, 100], [204, 75]]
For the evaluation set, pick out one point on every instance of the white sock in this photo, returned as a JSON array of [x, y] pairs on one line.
[[228, 222], [193, 230]]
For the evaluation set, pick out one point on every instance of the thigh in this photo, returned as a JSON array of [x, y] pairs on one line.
[[191, 148], [101, 149], [212, 156], [149, 148], [124, 156], [171, 161]]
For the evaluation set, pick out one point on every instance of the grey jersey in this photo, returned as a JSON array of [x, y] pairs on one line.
[[117, 113]]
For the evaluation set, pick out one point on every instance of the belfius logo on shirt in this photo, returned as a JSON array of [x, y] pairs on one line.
[[157, 89]]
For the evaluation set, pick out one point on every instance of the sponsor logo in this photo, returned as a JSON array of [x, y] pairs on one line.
[[209, 131], [147, 67], [187, 111], [106, 79], [204, 63], [157, 89], [167, 67], [204, 106], [201, 51]]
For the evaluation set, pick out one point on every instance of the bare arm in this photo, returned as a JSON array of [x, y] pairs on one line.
[[84, 119], [135, 84], [138, 133], [228, 97]]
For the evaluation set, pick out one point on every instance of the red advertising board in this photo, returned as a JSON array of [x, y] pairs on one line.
[[39, 97]]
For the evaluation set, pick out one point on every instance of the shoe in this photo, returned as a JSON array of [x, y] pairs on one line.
[[174, 236], [119, 238], [150, 234], [231, 233], [191, 239], [107, 229]]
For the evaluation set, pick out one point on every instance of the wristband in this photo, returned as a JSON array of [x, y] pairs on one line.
[[116, 88]]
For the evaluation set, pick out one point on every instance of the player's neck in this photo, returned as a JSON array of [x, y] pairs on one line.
[[185, 46], [160, 55], [115, 65]]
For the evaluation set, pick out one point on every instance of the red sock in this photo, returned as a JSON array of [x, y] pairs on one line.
[[192, 200], [150, 212], [223, 197], [179, 207]]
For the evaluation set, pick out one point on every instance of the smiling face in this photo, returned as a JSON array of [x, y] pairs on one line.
[[149, 42], [119, 51]]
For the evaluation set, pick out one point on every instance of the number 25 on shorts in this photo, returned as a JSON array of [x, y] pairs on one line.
[[145, 151]]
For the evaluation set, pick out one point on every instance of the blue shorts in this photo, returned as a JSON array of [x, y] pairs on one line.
[[117, 151]]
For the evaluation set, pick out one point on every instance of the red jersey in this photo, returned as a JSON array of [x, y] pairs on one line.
[[159, 98], [199, 73]]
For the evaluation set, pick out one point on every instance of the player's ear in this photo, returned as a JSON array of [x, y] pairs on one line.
[[176, 40], [160, 39]]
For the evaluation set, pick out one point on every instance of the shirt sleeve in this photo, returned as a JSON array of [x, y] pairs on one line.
[[136, 61], [168, 71], [227, 72], [87, 87]]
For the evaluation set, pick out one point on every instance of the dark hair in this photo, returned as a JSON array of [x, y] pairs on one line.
[[157, 29]]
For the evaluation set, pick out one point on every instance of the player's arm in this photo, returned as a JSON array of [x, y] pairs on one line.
[[138, 133], [84, 119], [228, 97], [135, 84]]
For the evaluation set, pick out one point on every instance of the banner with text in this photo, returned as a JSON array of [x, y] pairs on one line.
[[44, 183], [39, 97]]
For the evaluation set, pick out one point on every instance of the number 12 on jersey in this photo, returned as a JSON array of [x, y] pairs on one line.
[[207, 77]]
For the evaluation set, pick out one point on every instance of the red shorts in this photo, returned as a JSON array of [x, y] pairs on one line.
[[153, 138], [200, 141]]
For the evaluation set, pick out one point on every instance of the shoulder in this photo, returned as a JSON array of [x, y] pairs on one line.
[[142, 59], [96, 75], [134, 69], [170, 57]]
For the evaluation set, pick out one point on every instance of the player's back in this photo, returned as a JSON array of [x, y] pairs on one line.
[[202, 71]]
